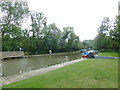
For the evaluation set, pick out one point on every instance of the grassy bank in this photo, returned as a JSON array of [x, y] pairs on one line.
[[110, 54], [93, 73]]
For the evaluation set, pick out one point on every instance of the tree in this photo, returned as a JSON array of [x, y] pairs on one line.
[[88, 44], [10, 24], [40, 38], [102, 39], [101, 42], [104, 27], [38, 22], [115, 35], [70, 41], [52, 36], [14, 12], [77, 44]]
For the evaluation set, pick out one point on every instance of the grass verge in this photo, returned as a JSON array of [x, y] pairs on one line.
[[110, 54], [91, 73]]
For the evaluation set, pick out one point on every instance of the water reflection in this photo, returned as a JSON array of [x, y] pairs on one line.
[[21, 65]]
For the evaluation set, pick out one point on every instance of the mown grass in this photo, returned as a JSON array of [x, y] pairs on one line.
[[110, 54], [91, 73]]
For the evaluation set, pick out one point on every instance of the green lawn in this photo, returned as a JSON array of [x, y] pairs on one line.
[[91, 73], [111, 54]]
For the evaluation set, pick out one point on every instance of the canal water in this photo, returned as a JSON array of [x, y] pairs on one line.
[[21, 65]]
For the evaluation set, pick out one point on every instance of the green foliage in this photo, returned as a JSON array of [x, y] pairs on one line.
[[88, 44], [101, 42], [115, 35], [38, 22], [40, 38], [10, 24], [13, 12], [69, 39], [52, 36], [108, 39]]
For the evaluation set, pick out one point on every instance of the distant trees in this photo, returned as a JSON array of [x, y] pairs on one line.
[[39, 38], [101, 42], [69, 39], [102, 39], [108, 38], [52, 36], [88, 44]]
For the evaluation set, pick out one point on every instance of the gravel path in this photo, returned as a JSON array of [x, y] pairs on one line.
[[11, 79]]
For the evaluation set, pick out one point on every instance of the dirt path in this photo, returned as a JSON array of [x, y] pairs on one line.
[[11, 79]]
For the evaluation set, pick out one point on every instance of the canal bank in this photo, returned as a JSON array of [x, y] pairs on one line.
[[20, 54], [21, 65], [12, 79], [62, 53], [11, 54]]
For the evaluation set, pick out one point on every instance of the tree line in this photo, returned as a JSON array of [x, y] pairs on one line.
[[39, 37], [108, 38]]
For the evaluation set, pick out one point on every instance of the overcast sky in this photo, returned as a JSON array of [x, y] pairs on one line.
[[84, 15]]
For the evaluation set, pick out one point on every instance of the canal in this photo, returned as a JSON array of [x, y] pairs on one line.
[[21, 65]]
